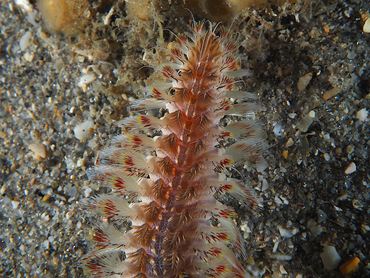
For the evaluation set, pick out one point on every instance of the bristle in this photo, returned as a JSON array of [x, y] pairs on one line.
[[140, 262], [168, 144], [247, 149], [112, 207], [243, 109], [149, 104], [138, 142], [129, 161], [108, 238], [240, 191], [143, 234], [107, 265], [170, 73], [157, 92], [141, 122], [178, 227], [116, 179]]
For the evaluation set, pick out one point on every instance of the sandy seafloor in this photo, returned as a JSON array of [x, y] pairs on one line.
[[309, 201]]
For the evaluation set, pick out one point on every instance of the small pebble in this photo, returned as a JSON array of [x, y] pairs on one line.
[[285, 232], [304, 81], [87, 192], [24, 5], [15, 204], [314, 228], [282, 270], [349, 267], [285, 153], [70, 191], [245, 228], [351, 168], [350, 149], [289, 143], [265, 185], [326, 156], [38, 149], [281, 257], [29, 58], [351, 55], [82, 131], [367, 26], [362, 115], [81, 162], [45, 244], [25, 40], [305, 123], [312, 114], [329, 94], [86, 79], [278, 129], [46, 197], [321, 216], [330, 257], [348, 12]]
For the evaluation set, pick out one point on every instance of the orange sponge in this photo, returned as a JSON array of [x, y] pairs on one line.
[[64, 16]]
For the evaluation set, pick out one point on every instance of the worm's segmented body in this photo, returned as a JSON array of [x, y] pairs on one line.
[[178, 228]]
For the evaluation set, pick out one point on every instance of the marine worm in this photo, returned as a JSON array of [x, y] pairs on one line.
[[165, 186]]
